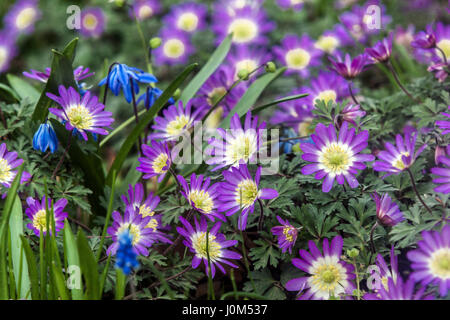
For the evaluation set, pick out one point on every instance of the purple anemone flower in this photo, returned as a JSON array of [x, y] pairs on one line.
[[381, 51], [384, 273], [296, 5], [431, 260], [399, 290], [394, 160], [240, 192], [248, 25], [138, 226], [81, 113], [336, 158], [8, 162], [327, 275], [201, 195], [424, 39], [188, 17], [327, 86], [92, 22], [443, 175], [248, 59], [144, 9], [216, 248], [22, 16], [176, 121], [286, 233], [352, 112], [80, 73], [238, 145], [347, 67], [388, 213], [175, 48], [298, 54], [37, 212], [333, 39], [156, 160], [8, 50]]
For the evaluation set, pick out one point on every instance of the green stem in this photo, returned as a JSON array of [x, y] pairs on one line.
[[417, 192], [210, 282], [146, 50], [244, 254]]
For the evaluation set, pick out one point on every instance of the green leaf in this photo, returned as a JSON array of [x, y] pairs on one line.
[[23, 88], [18, 256], [60, 283], [208, 69], [88, 267], [145, 121], [288, 98], [11, 96], [73, 259], [61, 74], [121, 281], [32, 268]]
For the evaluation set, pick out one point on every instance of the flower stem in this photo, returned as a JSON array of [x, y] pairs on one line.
[[136, 116], [146, 50], [397, 79], [444, 57], [58, 166], [244, 254], [351, 93], [415, 190], [358, 295], [261, 216], [372, 244]]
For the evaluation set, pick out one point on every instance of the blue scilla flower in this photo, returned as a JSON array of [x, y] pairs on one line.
[[44, 138], [121, 77], [151, 95], [286, 146], [126, 258]]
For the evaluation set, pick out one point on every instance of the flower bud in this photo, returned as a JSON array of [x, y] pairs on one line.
[[270, 67], [155, 42], [176, 94], [243, 74], [353, 253]]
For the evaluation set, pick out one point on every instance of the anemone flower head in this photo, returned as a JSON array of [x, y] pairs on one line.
[[249, 26], [327, 275], [80, 73], [442, 32], [238, 145], [327, 86], [37, 212], [248, 59], [201, 195], [296, 5], [85, 114], [8, 50], [388, 213], [8, 162], [404, 36], [137, 225], [431, 260], [336, 158], [176, 121], [286, 233], [230, 7], [384, 273], [123, 77], [144, 9], [347, 67], [381, 51], [240, 192], [92, 22], [188, 17], [22, 16], [175, 48], [333, 39], [298, 54], [351, 112], [443, 175], [156, 160], [394, 160], [399, 290], [203, 243]]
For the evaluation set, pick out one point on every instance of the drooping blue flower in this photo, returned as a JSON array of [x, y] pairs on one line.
[[123, 77], [151, 95], [44, 138], [286, 145], [126, 258]]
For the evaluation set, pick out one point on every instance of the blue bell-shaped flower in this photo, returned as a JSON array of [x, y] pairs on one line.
[[44, 138]]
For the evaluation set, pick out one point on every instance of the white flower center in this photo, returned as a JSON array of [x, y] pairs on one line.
[[246, 64], [398, 162], [244, 30], [201, 200], [328, 277], [241, 147], [176, 127], [174, 48], [327, 43], [6, 176], [145, 12], [159, 163], [25, 18], [439, 263], [246, 193], [444, 45], [199, 244], [188, 22], [90, 21], [336, 158], [297, 58], [326, 95], [80, 117], [3, 56]]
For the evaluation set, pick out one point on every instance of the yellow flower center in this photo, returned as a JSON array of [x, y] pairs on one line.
[[159, 163], [173, 48], [305, 128], [246, 64], [297, 58], [214, 119], [215, 95], [80, 117], [3, 56], [175, 127], [336, 158], [199, 244], [201, 200], [40, 221], [241, 147], [326, 277], [5, 171], [286, 233], [90, 21], [440, 263], [244, 30], [187, 21], [246, 193], [153, 224], [398, 162], [444, 45], [295, 2], [146, 211], [134, 230], [326, 95], [327, 43], [145, 12], [25, 18]]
